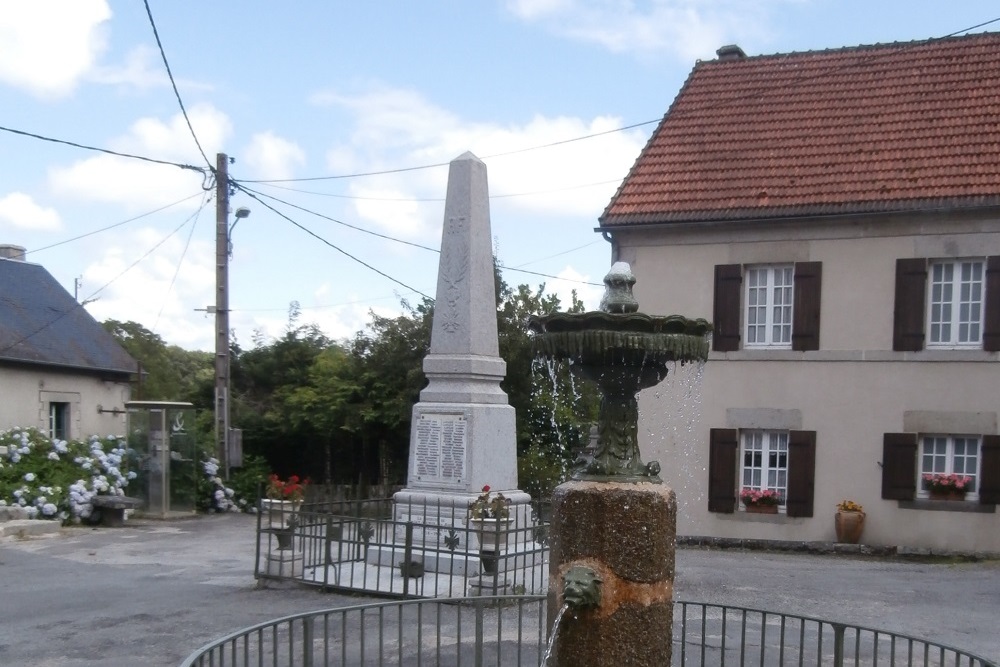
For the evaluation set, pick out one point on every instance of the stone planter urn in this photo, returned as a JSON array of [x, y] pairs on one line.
[[849, 526], [492, 535], [278, 513]]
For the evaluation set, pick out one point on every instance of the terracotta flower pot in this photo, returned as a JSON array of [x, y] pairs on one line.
[[762, 509], [849, 526]]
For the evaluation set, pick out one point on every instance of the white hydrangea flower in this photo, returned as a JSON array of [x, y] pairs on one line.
[[53, 456], [48, 509], [29, 477]]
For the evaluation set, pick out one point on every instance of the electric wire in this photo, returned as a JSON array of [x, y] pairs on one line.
[[430, 199], [108, 151], [741, 100], [117, 224], [239, 184], [326, 217], [173, 84], [254, 196], [93, 294], [180, 262]]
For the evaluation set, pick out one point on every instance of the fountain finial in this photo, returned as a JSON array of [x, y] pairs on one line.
[[618, 284]]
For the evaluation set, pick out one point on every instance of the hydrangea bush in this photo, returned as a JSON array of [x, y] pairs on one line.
[[56, 479]]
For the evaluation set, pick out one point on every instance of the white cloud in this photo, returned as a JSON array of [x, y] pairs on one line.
[[142, 69], [109, 178], [20, 211], [576, 178], [273, 157], [686, 29], [143, 293], [49, 46]]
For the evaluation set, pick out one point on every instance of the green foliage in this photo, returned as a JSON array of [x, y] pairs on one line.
[[170, 373], [246, 481], [55, 479], [540, 470]]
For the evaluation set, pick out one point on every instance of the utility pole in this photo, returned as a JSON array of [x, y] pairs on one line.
[[222, 311]]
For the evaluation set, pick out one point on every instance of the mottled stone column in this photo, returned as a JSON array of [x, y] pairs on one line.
[[626, 533]]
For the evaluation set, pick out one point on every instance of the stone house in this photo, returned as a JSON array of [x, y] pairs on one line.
[[836, 215], [60, 371]]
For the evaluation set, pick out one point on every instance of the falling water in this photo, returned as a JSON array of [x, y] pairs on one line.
[[552, 638]]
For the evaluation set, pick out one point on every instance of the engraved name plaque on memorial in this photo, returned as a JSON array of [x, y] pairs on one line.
[[440, 444]]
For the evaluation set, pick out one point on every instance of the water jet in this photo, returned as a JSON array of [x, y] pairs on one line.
[[614, 523]]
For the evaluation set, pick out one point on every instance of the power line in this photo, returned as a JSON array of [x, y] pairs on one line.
[[181, 165], [252, 192], [430, 199], [323, 240], [339, 222], [95, 292], [445, 164], [605, 132], [117, 224], [173, 84], [180, 262]]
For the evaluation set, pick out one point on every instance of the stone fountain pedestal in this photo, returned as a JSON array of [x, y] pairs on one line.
[[626, 533]]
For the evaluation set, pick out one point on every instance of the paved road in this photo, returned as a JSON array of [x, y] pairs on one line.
[[152, 592]]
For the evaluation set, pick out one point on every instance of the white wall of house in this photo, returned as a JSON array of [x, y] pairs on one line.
[[28, 393], [850, 392]]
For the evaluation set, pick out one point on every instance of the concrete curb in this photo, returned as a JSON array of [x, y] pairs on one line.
[[827, 548], [22, 528]]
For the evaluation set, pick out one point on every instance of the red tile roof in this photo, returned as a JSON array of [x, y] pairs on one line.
[[890, 127]]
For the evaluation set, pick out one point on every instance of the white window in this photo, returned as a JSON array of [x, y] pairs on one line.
[[955, 308], [59, 420], [765, 461], [769, 306], [951, 454]]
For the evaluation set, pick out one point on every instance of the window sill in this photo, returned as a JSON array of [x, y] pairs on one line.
[[743, 515], [927, 504], [771, 354]]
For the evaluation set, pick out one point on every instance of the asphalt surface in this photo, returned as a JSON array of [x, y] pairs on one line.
[[152, 592]]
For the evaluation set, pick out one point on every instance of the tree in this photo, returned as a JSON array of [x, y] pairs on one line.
[[169, 373]]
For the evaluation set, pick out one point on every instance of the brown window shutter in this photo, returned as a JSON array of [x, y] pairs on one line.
[[908, 313], [989, 480], [801, 473], [991, 323], [805, 311], [899, 466], [723, 448], [726, 311]]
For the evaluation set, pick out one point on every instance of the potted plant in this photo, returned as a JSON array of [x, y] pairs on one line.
[[283, 498], [489, 516], [849, 521], [760, 501], [946, 486]]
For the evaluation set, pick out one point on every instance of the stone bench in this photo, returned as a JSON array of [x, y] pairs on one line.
[[112, 508]]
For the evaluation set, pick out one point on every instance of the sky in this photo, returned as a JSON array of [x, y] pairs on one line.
[[340, 119]]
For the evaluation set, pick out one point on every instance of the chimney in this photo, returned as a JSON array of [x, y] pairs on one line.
[[730, 52], [14, 252]]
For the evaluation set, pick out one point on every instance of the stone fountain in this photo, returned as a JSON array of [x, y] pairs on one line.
[[613, 532]]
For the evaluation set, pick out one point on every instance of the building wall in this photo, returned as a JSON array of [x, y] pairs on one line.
[[27, 394], [850, 392]]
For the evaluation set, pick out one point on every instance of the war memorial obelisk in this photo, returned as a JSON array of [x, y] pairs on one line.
[[463, 434]]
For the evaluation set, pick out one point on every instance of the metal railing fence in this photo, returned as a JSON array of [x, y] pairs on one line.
[[378, 546], [510, 631]]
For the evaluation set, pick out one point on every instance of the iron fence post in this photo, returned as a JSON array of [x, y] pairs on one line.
[[479, 607], [838, 644], [407, 557], [307, 641]]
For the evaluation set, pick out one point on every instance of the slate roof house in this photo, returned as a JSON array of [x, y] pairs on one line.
[[60, 371], [836, 214]]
